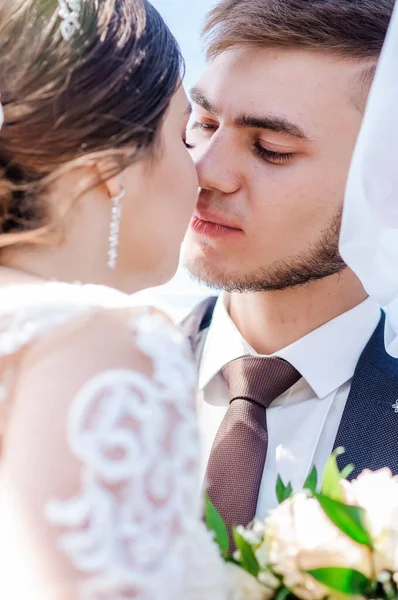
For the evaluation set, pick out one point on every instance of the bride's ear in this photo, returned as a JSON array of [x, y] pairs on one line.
[[110, 176]]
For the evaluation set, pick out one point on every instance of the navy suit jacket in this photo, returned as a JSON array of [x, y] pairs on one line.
[[369, 426]]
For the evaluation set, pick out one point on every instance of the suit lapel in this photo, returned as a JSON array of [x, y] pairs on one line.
[[198, 320], [369, 426]]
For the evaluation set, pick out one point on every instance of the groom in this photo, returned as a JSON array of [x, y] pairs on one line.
[[291, 357]]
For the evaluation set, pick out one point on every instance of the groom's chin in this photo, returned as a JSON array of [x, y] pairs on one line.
[[208, 264], [204, 271], [199, 269]]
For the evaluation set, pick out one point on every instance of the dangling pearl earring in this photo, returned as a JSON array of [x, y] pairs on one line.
[[114, 229]]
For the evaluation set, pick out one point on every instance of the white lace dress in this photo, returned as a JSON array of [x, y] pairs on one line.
[[130, 526]]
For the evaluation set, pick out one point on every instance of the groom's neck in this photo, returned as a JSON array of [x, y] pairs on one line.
[[270, 321]]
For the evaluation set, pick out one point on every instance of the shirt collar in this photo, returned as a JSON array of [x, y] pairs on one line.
[[326, 357]]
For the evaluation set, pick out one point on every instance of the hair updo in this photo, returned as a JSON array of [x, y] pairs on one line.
[[104, 92]]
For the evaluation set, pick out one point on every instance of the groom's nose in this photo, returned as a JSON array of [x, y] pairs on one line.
[[217, 164]]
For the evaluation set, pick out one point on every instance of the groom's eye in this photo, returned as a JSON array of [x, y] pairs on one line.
[[196, 125], [276, 158]]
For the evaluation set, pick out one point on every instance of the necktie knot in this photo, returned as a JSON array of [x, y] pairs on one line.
[[260, 379]]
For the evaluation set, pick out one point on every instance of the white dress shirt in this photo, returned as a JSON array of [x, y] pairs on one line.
[[303, 422]]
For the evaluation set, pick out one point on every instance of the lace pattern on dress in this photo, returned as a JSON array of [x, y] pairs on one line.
[[134, 529]]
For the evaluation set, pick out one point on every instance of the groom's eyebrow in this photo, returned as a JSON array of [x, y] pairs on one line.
[[277, 124], [198, 97]]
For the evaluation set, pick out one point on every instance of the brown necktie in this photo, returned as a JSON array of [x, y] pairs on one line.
[[237, 458]]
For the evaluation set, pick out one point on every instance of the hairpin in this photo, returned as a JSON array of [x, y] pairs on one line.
[[69, 12]]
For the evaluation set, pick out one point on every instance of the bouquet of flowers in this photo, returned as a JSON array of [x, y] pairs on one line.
[[336, 543]]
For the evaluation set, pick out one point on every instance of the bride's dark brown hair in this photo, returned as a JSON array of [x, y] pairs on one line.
[[67, 103]]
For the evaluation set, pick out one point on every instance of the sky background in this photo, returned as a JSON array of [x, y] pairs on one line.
[[184, 17]]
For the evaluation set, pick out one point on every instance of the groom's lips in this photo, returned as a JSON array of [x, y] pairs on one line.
[[212, 225]]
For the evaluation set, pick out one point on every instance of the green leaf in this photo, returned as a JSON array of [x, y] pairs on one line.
[[231, 559], [312, 481], [283, 593], [349, 519], [216, 524], [248, 558], [283, 491], [346, 581], [280, 489], [288, 491], [331, 478], [346, 472]]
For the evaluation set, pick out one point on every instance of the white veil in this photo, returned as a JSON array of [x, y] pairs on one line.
[[369, 235]]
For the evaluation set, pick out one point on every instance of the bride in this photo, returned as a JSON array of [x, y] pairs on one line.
[[98, 441]]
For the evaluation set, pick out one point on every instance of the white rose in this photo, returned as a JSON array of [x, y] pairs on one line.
[[300, 537], [377, 493], [244, 586]]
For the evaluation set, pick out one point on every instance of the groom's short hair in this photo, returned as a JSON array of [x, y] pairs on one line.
[[348, 28]]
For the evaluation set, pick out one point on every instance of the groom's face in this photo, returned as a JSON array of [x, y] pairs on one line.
[[273, 135]]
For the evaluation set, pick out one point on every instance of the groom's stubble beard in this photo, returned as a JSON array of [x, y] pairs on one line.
[[321, 260]]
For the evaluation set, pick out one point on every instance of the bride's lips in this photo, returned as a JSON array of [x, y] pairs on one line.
[[213, 225]]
